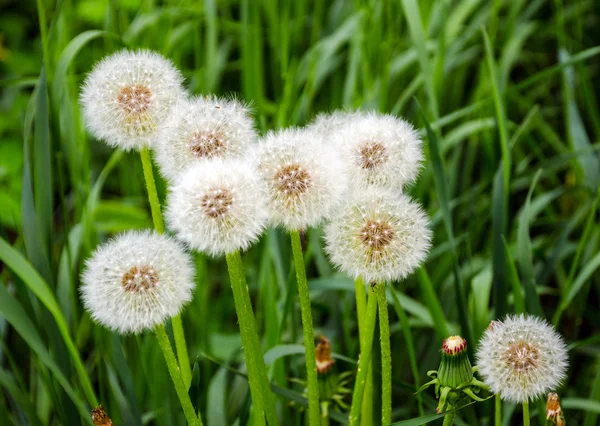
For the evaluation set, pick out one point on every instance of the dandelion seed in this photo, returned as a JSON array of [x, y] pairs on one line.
[[304, 177], [128, 96], [379, 236], [137, 281], [218, 206], [203, 128], [522, 358]]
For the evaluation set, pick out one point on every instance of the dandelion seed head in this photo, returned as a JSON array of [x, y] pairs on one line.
[[128, 96], [218, 206], [378, 235], [304, 177], [204, 128], [136, 281], [522, 358], [377, 149]]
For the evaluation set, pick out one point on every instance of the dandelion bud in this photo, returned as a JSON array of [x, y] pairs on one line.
[[379, 235], [128, 96], [455, 367], [218, 206], [99, 417], [203, 128], [305, 178], [379, 149], [522, 358], [323, 354], [554, 413], [137, 281]]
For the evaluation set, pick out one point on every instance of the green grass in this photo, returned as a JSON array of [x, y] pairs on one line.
[[506, 95]]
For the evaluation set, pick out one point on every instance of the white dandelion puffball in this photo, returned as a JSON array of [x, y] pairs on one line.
[[379, 150], [137, 281], [327, 124], [305, 177], [128, 96], [379, 236], [203, 128], [218, 206], [522, 358]]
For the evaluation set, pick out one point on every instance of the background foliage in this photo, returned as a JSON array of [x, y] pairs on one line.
[[510, 89]]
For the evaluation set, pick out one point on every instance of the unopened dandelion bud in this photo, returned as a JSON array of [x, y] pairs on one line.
[[522, 358], [455, 368], [554, 413], [323, 355], [128, 96], [137, 281], [100, 418]]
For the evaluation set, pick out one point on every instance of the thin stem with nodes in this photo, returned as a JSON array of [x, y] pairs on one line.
[[307, 327], [366, 352], [157, 219]]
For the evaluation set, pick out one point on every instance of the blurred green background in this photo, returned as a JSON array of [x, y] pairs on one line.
[[509, 90]]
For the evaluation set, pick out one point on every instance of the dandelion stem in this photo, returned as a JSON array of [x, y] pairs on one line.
[[526, 414], [386, 357], [498, 411], [182, 394], [260, 388], [361, 307], [180, 345], [307, 327], [366, 350]]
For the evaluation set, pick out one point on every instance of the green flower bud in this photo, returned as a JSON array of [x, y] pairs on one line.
[[455, 368]]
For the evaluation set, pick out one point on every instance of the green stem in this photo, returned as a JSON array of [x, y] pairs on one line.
[[526, 414], [361, 308], [448, 420], [159, 226], [182, 394], [498, 411], [364, 360], [307, 327], [260, 388], [386, 357], [325, 413]]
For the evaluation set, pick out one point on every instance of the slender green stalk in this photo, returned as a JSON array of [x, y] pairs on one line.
[[366, 351], [448, 419], [159, 226], [325, 413], [498, 411], [182, 394], [260, 388], [361, 307], [307, 327], [386, 357], [526, 414]]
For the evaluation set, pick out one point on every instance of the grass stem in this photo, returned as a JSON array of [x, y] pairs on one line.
[[307, 327]]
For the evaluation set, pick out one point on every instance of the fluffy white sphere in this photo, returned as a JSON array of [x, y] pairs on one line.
[[522, 358], [218, 206], [128, 96], [377, 149], [136, 281], [379, 235], [305, 177], [203, 128]]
